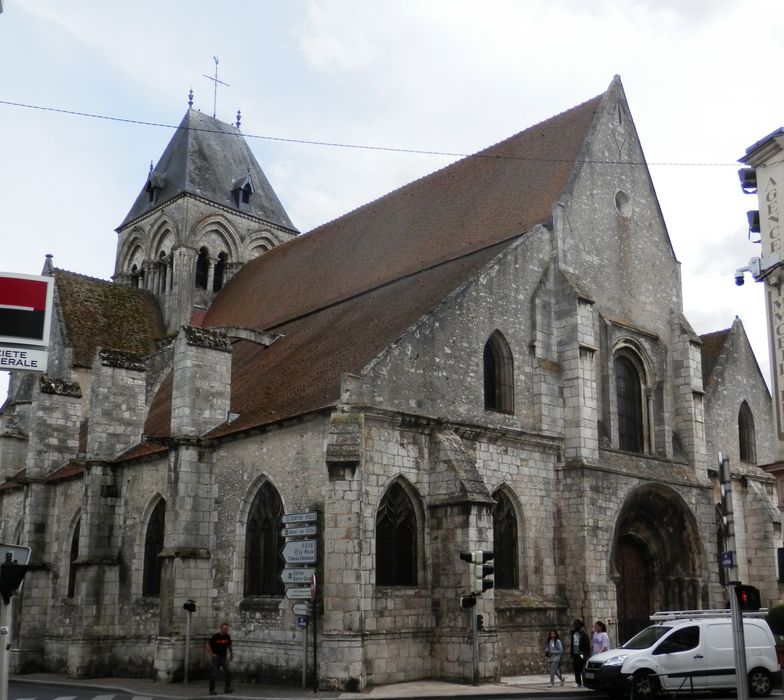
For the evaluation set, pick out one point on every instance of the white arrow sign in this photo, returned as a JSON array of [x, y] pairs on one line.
[[300, 552], [309, 517], [304, 531], [301, 608], [296, 575], [298, 593]]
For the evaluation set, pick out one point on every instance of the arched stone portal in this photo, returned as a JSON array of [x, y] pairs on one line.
[[657, 559]]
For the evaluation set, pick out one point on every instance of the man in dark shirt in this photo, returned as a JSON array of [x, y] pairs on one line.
[[581, 650], [221, 654]]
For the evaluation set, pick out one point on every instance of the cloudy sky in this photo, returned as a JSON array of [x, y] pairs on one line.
[[702, 78]]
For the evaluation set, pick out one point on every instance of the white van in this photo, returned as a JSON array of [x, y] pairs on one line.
[[684, 650]]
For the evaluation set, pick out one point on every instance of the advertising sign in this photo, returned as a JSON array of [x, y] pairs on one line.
[[25, 319]]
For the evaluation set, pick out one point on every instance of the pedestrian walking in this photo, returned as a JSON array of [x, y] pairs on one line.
[[221, 655], [553, 651], [580, 648]]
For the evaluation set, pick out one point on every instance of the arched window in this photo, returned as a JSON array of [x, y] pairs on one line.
[[153, 544], [499, 375], [263, 561], [202, 269], [220, 272], [630, 412], [396, 539], [135, 276], [746, 438], [164, 269], [505, 542], [72, 560]]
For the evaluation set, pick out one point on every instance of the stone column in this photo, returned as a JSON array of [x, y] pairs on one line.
[[54, 440], [580, 396], [201, 394], [347, 567], [688, 389], [460, 521], [117, 411]]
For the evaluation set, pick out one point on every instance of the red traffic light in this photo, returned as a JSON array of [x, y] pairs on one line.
[[748, 597]]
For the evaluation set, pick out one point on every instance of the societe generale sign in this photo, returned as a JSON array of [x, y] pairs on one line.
[[25, 320]]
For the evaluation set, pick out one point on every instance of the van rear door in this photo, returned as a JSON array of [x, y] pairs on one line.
[[681, 657], [720, 652]]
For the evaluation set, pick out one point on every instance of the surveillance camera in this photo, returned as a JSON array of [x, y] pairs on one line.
[[739, 280]]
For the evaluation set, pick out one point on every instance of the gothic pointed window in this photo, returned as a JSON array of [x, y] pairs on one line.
[[396, 539], [498, 374], [153, 544], [202, 269], [628, 389], [505, 542], [74, 555], [746, 437], [263, 561], [220, 272], [164, 268]]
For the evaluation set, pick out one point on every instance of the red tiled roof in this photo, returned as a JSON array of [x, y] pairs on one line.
[[69, 471], [343, 292], [15, 482], [143, 449], [98, 313], [711, 349]]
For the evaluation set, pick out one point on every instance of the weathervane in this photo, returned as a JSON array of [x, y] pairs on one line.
[[215, 82]]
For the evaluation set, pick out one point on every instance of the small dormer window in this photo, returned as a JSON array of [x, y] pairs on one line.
[[155, 182], [242, 192]]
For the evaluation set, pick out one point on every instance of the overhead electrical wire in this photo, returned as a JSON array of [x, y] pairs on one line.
[[354, 146]]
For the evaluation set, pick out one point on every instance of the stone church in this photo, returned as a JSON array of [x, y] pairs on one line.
[[494, 357]]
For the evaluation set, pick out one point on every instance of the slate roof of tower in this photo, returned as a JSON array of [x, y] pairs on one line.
[[348, 289], [97, 313], [206, 158]]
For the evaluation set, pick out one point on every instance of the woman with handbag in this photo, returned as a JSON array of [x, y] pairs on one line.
[[553, 651]]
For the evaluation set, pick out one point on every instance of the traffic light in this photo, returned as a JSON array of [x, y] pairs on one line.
[[190, 606], [481, 570], [480, 623], [11, 576], [468, 601], [748, 597]]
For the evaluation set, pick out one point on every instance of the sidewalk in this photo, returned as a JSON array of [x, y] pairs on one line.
[[526, 686]]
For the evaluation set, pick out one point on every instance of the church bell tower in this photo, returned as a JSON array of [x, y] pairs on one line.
[[205, 210]]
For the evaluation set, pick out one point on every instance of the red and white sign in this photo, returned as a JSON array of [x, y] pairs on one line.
[[25, 319]]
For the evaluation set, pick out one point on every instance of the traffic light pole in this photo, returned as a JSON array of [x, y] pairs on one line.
[[739, 643], [725, 481], [5, 640], [474, 644]]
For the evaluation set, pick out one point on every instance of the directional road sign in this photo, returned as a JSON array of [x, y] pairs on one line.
[[303, 531], [298, 593], [296, 575], [301, 609], [309, 517], [300, 552]]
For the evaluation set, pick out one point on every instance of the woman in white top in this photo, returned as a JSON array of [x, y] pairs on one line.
[[601, 642]]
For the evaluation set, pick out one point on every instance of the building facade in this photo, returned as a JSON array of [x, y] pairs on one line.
[[493, 357]]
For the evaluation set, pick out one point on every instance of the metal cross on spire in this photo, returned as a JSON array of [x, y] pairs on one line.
[[215, 82]]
